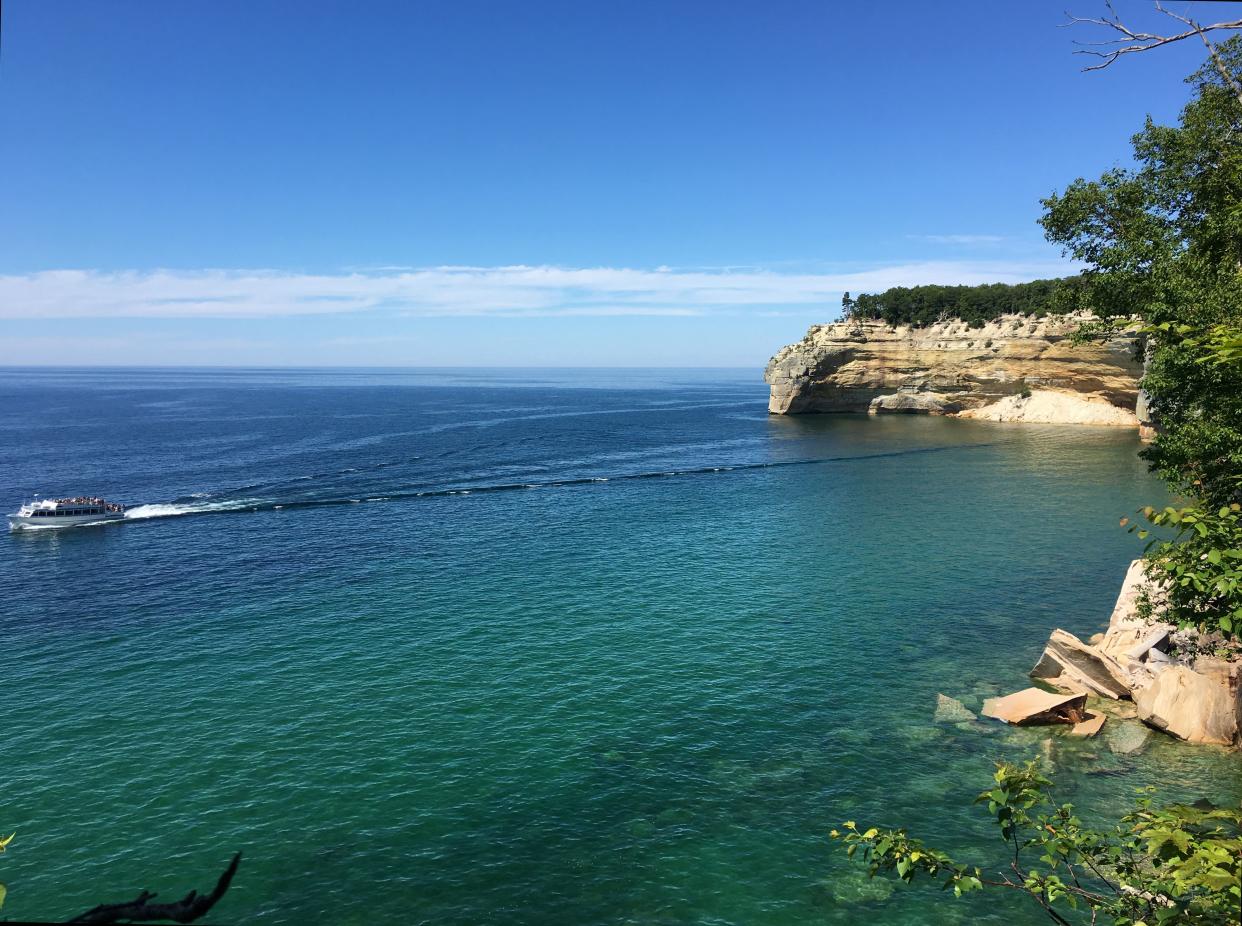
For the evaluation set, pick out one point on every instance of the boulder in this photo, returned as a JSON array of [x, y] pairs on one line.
[[1066, 659], [1193, 706], [1034, 705]]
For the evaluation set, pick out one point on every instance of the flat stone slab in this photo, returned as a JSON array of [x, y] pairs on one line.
[[1089, 727], [1034, 705]]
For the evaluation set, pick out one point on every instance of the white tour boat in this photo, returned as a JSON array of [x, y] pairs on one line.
[[65, 512]]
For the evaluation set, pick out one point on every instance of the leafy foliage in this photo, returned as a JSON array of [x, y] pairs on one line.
[[1200, 568], [1172, 865], [1164, 241], [977, 305], [4, 844]]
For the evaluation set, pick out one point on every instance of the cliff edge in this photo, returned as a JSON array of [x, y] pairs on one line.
[[1016, 368]]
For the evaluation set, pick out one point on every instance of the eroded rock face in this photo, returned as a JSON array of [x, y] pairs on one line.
[[950, 368]]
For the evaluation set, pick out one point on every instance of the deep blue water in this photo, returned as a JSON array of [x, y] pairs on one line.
[[541, 647]]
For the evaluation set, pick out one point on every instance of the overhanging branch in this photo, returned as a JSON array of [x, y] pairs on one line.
[[140, 910], [1131, 41]]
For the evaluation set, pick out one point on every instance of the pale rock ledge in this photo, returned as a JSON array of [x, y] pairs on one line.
[[1016, 368], [1053, 407]]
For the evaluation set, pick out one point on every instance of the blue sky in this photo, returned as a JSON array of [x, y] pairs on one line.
[[543, 183]]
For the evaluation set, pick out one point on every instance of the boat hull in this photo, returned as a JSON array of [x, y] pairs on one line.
[[19, 522]]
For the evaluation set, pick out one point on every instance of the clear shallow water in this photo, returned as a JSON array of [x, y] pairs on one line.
[[531, 647]]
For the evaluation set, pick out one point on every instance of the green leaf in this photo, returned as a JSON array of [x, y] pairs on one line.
[[1218, 878]]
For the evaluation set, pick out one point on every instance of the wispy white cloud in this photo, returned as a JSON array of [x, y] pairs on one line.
[[961, 239], [470, 291]]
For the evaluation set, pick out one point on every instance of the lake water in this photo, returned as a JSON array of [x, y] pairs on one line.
[[533, 647]]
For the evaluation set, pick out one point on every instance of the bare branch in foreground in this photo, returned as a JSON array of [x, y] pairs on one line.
[[1131, 41], [140, 910]]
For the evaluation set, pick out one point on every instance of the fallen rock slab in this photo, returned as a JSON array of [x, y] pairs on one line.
[[1092, 725], [1036, 706], [1067, 658]]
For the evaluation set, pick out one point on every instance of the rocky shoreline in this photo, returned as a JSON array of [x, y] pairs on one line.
[[1177, 679], [1180, 682], [1015, 368]]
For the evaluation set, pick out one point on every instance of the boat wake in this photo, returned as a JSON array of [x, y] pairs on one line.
[[171, 510], [193, 505]]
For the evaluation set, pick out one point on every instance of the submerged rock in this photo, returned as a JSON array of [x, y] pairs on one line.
[[1122, 710], [858, 887], [951, 710], [1126, 738], [642, 828], [920, 735]]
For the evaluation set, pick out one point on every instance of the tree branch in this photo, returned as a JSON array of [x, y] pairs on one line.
[[1146, 41], [141, 910]]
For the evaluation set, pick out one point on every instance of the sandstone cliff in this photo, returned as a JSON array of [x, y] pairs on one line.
[[1017, 368]]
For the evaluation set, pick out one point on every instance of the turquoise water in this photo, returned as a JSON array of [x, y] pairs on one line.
[[543, 647]]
